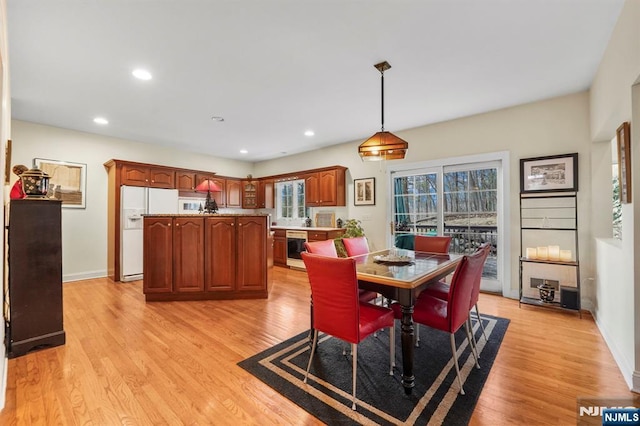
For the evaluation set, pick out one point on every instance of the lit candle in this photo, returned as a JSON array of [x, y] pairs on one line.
[[531, 253], [554, 252], [565, 255], [543, 253]]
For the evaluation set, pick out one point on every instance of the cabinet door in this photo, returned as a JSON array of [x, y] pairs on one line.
[[250, 194], [312, 190], [232, 187], [220, 253], [160, 177], [265, 194], [188, 254], [158, 255], [317, 235], [218, 196], [134, 175], [185, 180], [251, 253], [280, 251], [327, 188]]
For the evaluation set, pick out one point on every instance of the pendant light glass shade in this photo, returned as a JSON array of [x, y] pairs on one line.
[[383, 145]]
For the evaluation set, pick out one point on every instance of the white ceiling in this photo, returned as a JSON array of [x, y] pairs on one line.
[[275, 68]]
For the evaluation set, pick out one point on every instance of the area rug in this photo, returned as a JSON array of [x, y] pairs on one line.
[[380, 397]]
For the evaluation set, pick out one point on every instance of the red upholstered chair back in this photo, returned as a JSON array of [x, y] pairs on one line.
[[334, 291], [432, 244], [356, 246], [323, 248], [461, 288], [485, 249]]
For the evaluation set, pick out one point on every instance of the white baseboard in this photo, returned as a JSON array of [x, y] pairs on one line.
[[5, 374], [84, 276], [636, 382]]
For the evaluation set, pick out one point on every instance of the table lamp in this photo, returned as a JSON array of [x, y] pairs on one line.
[[207, 185]]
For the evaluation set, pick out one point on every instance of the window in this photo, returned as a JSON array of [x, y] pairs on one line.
[[290, 200]]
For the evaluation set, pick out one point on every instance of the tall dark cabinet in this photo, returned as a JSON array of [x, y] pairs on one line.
[[35, 276]]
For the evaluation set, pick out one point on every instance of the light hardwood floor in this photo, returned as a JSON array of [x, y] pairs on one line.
[[136, 363]]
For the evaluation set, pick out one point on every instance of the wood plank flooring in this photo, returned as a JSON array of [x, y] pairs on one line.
[[169, 363]]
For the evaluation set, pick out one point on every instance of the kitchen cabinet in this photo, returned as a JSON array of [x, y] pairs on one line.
[[194, 257], [35, 276], [266, 194], [188, 254], [325, 188], [141, 175], [314, 235], [250, 197], [186, 180], [233, 191], [158, 255], [280, 247]]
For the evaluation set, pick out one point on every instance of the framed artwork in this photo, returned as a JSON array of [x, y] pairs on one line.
[[364, 192], [624, 161], [7, 162], [67, 181], [549, 174]]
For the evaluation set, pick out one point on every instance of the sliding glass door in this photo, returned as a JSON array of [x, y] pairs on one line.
[[460, 200]]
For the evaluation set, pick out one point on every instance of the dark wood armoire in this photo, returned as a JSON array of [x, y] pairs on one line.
[[35, 276]]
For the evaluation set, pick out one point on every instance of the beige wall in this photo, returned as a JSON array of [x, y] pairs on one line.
[[617, 278], [5, 134], [84, 231]]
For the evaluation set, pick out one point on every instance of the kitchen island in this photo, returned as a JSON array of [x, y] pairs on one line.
[[207, 256]]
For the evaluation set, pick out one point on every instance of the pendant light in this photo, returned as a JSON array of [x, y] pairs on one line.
[[383, 145]]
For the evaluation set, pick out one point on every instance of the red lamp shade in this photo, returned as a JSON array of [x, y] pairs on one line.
[[208, 185]]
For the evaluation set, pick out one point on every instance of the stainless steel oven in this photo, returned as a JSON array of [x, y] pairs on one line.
[[295, 246]]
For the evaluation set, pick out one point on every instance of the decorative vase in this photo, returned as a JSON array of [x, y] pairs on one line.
[[35, 183]]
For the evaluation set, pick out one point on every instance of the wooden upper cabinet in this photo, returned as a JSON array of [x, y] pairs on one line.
[[266, 194], [250, 194], [325, 188], [185, 180], [233, 189], [134, 175], [161, 177]]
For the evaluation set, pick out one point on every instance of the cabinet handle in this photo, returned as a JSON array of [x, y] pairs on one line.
[[168, 224]]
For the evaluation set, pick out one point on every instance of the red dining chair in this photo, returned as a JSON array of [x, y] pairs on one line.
[[432, 244], [356, 246], [449, 315], [339, 313], [441, 289], [328, 248]]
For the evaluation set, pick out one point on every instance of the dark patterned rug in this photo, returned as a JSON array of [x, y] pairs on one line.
[[380, 397]]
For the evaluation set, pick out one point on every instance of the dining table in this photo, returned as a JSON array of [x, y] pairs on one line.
[[401, 275]]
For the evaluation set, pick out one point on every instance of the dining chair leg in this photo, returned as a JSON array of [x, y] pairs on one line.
[[473, 348], [392, 348], [455, 360], [473, 335], [354, 351], [417, 334], [480, 321], [313, 350]]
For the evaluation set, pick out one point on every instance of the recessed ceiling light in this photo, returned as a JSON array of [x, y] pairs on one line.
[[100, 120], [309, 133], [244, 151], [142, 74], [217, 118]]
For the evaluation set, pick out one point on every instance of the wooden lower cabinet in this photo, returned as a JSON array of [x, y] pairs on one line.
[[280, 248], [206, 257]]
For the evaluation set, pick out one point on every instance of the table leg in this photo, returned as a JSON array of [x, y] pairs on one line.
[[408, 379]]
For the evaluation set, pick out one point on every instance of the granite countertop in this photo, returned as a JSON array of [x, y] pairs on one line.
[[306, 228]]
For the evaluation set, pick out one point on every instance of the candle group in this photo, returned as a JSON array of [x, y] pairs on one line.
[[548, 253]]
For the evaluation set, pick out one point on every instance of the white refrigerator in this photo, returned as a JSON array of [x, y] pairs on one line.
[[136, 201]]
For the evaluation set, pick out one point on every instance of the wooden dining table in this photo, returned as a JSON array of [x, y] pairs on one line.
[[401, 275]]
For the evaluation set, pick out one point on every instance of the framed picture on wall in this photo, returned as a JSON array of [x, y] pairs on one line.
[[624, 162], [67, 181], [364, 192], [549, 174]]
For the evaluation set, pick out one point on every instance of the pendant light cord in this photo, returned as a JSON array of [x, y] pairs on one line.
[[382, 98]]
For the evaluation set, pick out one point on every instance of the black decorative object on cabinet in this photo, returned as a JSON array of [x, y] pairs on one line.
[[35, 276]]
